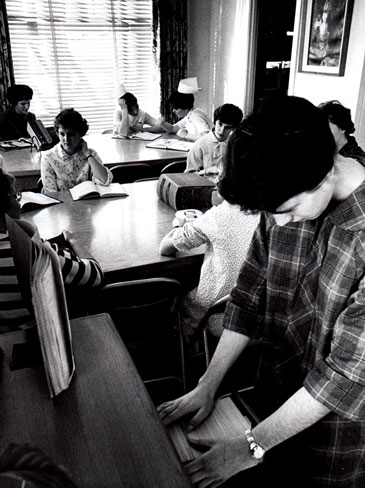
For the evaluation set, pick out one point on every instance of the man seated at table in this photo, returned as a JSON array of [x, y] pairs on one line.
[[77, 271], [71, 161], [13, 122]]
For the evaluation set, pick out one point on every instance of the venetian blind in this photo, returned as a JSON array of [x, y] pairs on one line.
[[74, 53]]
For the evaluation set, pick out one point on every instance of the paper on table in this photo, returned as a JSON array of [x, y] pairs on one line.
[[171, 144], [225, 422]]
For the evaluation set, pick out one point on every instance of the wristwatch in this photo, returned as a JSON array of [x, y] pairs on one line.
[[257, 452]]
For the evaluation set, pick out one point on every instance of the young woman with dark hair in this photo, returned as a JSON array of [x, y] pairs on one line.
[[13, 121], [71, 161]]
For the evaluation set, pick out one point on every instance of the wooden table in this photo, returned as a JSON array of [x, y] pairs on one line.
[[123, 234], [24, 164], [104, 428]]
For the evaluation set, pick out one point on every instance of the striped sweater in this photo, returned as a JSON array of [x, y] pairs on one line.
[[75, 272]]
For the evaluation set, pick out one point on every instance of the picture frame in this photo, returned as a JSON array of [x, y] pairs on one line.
[[325, 36]]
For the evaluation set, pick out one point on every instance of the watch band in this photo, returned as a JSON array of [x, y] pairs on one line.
[[257, 452]]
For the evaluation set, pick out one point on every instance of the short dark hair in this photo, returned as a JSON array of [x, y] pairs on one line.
[[130, 100], [338, 115], [283, 149], [228, 114], [184, 101], [16, 93], [71, 119]]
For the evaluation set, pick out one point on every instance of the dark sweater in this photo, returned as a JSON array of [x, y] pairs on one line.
[[14, 125]]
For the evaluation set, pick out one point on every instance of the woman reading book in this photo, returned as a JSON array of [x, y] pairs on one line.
[[71, 161], [77, 271]]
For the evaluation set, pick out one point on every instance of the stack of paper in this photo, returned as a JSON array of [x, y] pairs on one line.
[[39, 275], [225, 422]]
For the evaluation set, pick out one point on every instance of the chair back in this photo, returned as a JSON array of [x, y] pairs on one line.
[[174, 167], [248, 362], [130, 172], [146, 315], [39, 186]]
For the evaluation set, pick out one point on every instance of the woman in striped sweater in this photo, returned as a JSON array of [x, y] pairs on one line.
[[76, 271]]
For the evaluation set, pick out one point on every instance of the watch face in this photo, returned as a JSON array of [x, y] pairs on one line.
[[258, 452]]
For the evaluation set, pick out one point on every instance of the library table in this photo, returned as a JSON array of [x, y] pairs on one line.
[[104, 428], [24, 164], [123, 234]]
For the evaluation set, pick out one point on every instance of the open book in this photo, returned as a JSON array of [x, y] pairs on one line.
[[31, 200], [89, 189], [171, 144], [224, 422], [38, 269], [15, 144], [142, 136]]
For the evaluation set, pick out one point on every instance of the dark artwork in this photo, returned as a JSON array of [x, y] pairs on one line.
[[327, 30]]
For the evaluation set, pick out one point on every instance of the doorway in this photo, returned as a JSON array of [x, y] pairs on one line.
[[274, 44]]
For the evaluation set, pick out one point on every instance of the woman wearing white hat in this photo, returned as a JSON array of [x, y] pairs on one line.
[[129, 118], [193, 122]]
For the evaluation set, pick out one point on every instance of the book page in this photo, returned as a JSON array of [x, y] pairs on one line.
[[33, 198], [50, 308], [83, 189], [114, 189], [145, 136], [225, 421], [173, 144]]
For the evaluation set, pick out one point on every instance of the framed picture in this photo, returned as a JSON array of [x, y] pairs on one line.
[[325, 35]]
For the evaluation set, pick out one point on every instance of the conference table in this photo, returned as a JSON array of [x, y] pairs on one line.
[[24, 164], [123, 234], [104, 428]]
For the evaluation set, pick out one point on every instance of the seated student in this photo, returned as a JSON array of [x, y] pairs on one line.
[[13, 122], [206, 155], [129, 118], [193, 122], [342, 126], [227, 233], [301, 290], [71, 161], [77, 269]]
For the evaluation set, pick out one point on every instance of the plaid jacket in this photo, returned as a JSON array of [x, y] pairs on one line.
[[302, 287]]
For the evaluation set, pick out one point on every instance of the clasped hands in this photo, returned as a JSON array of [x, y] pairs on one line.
[[224, 458]]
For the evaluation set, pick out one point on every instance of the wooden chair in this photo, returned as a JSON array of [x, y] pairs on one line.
[[243, 374], [209, 340], [130, 172], [174, 167], [39, 186], [146, 315]]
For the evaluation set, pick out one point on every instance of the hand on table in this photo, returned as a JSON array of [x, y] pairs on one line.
[[197, 401], [213, 170], [223, 460], [68, 235]]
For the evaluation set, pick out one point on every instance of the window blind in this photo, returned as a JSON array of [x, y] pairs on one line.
[[74, 53]]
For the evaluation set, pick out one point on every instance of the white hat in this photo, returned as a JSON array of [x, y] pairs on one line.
[[120, 91], [188, 85]]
